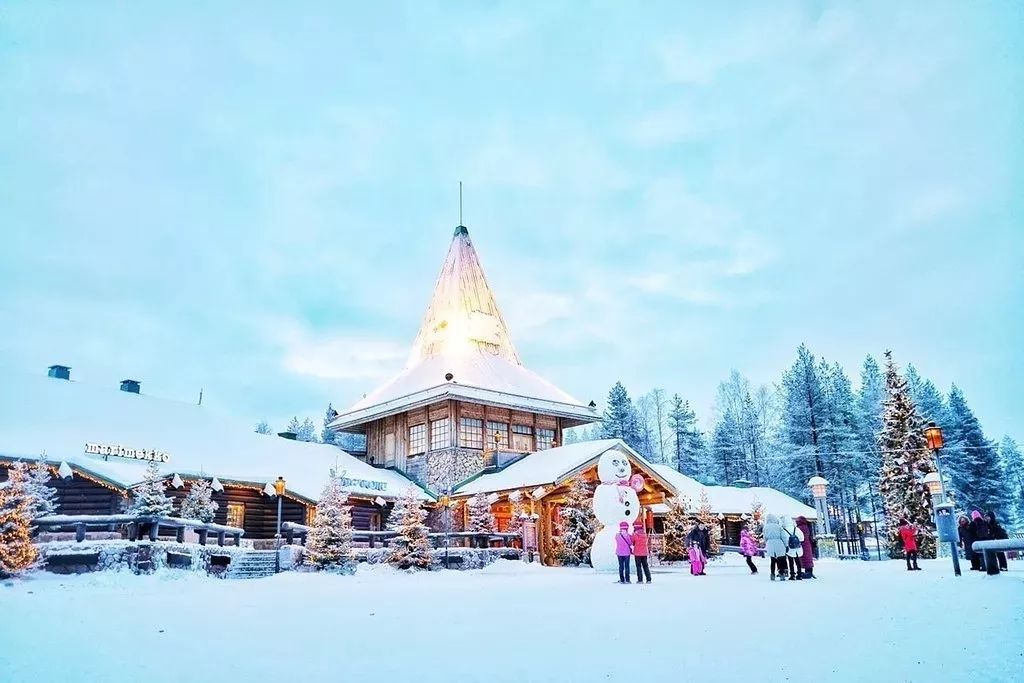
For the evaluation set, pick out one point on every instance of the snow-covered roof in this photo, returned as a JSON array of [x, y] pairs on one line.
[[733, 499], [464, 335], [59, 417], [553, 465]]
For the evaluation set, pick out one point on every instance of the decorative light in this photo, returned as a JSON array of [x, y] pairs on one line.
[[933, 435], [818, 486], [279, 486], [933, 482]]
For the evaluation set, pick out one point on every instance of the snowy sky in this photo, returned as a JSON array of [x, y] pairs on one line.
[[255, 199]]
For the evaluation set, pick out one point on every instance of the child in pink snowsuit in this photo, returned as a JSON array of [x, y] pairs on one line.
[[623, 549], [697, 559]]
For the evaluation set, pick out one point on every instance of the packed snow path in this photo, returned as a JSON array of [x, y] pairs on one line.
[[512, 622]]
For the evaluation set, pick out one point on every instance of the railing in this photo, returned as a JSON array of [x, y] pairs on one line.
[[293, 531], [135, 524]]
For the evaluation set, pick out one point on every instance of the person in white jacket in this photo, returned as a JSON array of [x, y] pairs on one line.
[[775, 547], [793, 555]]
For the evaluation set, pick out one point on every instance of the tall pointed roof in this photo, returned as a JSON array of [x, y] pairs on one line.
[[463, 350]]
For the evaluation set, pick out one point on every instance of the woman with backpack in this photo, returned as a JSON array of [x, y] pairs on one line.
[[794, 548], [806, 547], [775, 545]]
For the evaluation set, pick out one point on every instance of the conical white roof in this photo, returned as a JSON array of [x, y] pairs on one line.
[[463, 349]]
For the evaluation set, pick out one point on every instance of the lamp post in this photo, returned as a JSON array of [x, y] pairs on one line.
[[446, 501], [945, 519], [279, 488], [819, 487]]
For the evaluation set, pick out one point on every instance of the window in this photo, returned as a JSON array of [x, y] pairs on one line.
[[471, 433], [236, 515], [522, 438], [417, 439], [501, 429], [545, 438], [439, 434]]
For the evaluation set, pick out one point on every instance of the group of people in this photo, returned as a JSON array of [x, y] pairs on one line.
[[789, 547], [633, 545], [981, 528]]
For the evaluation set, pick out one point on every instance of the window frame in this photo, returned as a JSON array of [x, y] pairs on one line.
[[506, 442], [420, 437], [471, 433], [230, 509], [544, 436], [440, 434]]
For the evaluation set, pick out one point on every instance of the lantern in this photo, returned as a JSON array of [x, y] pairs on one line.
[[279, 486], [933, 435], [818, 486], [934, 482]]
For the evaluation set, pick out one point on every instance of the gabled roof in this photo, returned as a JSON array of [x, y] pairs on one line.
[[58, 417], [555, 465], [735, 500], [463, 335]]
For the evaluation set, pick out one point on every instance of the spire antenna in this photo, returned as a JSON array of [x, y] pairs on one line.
[[460, 202]]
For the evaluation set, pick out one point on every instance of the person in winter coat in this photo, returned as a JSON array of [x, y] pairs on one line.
[[775, 540], [793, 555], [748, 547], [640, 552], [981, 532], [966, 539], [908, 534], [806, 547], [697, 559], [998, 534], [623, 549]]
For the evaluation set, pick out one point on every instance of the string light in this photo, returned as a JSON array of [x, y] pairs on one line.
[[16, 550]]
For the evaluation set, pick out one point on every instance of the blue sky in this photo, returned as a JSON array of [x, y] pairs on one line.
[[254, 198]]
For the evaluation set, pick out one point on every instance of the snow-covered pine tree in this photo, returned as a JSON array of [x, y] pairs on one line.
[[330, 539], [42, 498], [17, 554], [326, 435], [411, 548], [870, 407], [802, 415], [516, 512], [905, 461], [928, 400], [199, 503], [263, 427], [148, 498], [481, 520], [620, 420], [756, 524], [577, 525], [972, 460], [684, 437], [294, 426], [706, 517], [839, 444], [1013, 465], [677, 523]]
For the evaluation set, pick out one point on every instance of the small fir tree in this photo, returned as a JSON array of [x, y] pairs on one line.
[[148, 498], [516, 510], [199, 503], [326, 435], [330, 539], [707, 518], [263, 427], [42, 498], [905, 461], [411, 548], [17, 554], [756, 525], [578, 524], [481, 521], [676, 527]]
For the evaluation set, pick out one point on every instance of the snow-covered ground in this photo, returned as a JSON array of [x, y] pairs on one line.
[[860, 621]]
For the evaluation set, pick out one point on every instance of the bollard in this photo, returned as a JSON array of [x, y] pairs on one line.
[[202, 536], [991, 563], [79, 533]]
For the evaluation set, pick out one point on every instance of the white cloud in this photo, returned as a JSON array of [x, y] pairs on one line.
[[338, 356]]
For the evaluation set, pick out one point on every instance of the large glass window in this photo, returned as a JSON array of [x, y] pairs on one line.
[[236, 515], [545, 438], [522, 438], [471, 433], [417, 439], [439, 434], [501, 429]]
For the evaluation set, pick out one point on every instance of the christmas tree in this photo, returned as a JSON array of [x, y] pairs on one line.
[[17, 554], [676, 522], [330, 538], [42, 498], [756, 524], [481, 521], [148, 498], [905, 461], [517, 510], [411, 548], [707, 518], [199, 503], [578, 524]]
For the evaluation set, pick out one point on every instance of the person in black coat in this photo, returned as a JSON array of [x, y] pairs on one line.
[[966, 539], [998, 534], [980, 531]]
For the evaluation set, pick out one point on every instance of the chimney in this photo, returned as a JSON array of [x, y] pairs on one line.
[[287, 435], [59, 372], [132, 386]]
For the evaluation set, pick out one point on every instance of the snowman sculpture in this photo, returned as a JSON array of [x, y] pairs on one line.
[[615, 501]]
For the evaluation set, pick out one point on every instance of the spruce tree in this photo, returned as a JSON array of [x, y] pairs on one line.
[[706, 517], [148, 498], [199, 503], [516, 512], [677, 522], [326, 435], [756, 524], [263, 427], [17, 554], [972, 461], [577, 524], [411, 548], [803, 417], [481, 520], [870, 407], [685, 439], [905, 461], [330, 537], [620, 420], [42, 498], [1013, 465]]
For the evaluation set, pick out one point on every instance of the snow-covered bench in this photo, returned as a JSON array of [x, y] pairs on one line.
[[990, 548], [134, 523]]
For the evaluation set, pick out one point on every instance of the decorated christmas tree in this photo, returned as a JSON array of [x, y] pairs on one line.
[[756, 524], [905, 461], [330, 538], [411, 548], [578, 524], [481, 521], [677, 522], [17, 554], [707, 518], [517, 510], [148, 498], [42, 498], [199, 503]]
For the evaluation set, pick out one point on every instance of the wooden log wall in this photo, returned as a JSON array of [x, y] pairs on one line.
[[81, 496], [260, 510]]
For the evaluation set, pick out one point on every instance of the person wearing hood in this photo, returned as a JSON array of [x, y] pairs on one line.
[[748, 547], [794, 548], [775, 540], [908, 534], [640, 552], [806, 547], [981, 532], [623, 550], [966, 540], [998, 534]]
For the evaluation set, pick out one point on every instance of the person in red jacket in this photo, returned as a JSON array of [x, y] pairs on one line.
[[909, 535], [643, 569]]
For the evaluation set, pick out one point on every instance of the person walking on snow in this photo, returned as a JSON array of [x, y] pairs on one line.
[[699, 537], [623, 549], [806, 547], [775, 544], [748, 547], [697, 559], [794, 547], [640, 552], [998, 534], [966, 539], [908, 533]]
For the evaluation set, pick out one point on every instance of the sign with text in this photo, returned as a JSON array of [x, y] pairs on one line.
[[106, 449], [369, 484]]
